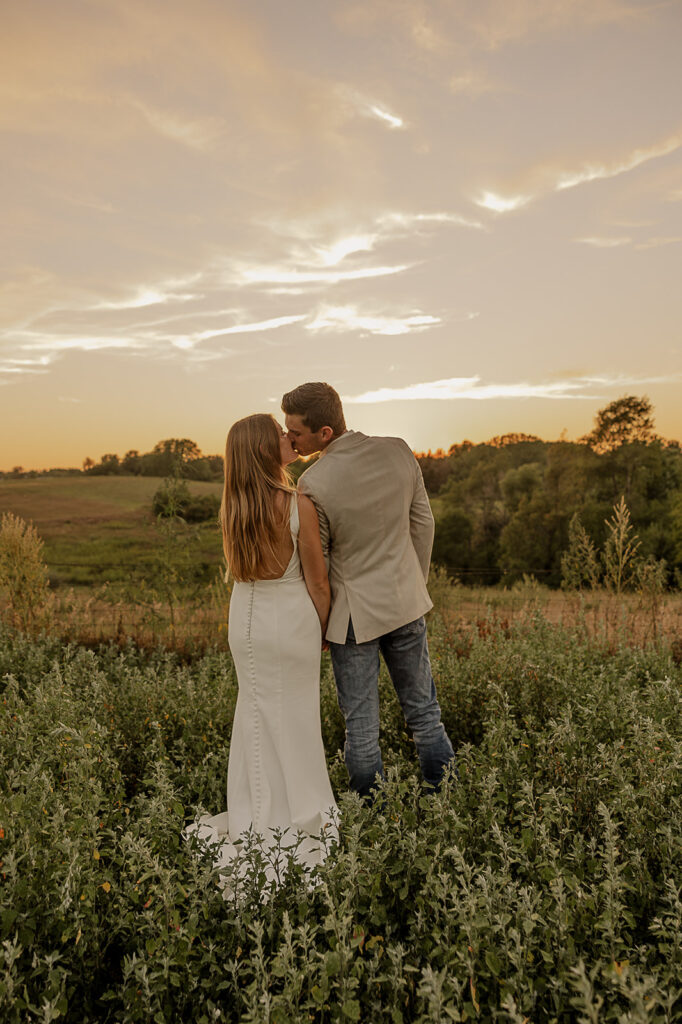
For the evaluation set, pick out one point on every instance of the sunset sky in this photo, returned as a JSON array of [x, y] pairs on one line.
[[466, 215]]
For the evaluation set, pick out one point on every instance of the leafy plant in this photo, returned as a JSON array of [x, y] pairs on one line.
[[580, 562]]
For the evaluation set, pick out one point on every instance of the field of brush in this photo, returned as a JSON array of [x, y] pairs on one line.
[[542, 884], [99, 530]]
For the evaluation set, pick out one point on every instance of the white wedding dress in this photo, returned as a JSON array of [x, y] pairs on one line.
[[278, 791]]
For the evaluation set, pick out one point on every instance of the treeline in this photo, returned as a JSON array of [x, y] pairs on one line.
[[504, 508], [172, 457]]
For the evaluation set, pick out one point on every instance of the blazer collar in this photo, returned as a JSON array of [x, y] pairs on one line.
[[350, 439]]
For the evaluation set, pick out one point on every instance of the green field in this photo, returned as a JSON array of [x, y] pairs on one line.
[[100, 529], [541, 885]]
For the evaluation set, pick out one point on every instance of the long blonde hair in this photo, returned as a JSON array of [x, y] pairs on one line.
[[254, 474]]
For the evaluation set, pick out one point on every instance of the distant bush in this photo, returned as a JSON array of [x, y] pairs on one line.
[[202, 508], [171, 498], [174, 498]]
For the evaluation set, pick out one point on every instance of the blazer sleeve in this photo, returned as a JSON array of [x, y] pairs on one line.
[[421, 521], [325, 533]]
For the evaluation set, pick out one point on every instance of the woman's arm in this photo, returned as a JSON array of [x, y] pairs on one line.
[[312, 559]]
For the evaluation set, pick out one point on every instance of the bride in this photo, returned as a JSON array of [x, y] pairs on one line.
[[278, 790]]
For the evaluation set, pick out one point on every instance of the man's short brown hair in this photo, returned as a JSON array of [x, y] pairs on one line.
[[318, 405]]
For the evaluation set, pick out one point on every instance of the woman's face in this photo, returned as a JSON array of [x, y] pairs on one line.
[[287, 453]]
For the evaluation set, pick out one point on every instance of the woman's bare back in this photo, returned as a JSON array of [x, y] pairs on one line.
[[284, 547]]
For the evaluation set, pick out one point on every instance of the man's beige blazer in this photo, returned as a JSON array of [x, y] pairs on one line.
[[377, 532]]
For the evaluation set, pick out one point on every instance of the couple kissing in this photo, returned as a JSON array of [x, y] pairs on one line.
[[338, 564]]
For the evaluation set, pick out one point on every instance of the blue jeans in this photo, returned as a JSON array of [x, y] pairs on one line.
[[356, 671]]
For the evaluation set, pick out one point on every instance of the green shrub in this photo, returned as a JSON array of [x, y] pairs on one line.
[[202, 509], [171, 498], [174, 499]]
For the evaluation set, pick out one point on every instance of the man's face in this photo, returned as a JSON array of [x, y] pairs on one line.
[[303, 440]]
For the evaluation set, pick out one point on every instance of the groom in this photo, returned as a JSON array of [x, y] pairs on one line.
[[377, 532]]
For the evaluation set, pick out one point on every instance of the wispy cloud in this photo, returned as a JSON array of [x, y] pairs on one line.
[[501, 204], [8, 370], [250, 328], [383, 115], [605, 243], [35, 350], [595, 170], [407, 221], [282, 275], [647, 243], [317, 252], [366, 107], [197, 133], [654, 243], [454, 388], [546, 178], [145, 297], [347, 318], [33, 341], [333, 254], [471, 84]]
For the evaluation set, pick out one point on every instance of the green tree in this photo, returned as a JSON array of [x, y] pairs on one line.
[[173, 455], [531, 540], [108, 465], [131, 461], [518, 484], [452, 541], [676, 523], [625, 421]]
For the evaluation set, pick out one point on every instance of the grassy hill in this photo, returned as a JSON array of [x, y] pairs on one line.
[[101, 529]]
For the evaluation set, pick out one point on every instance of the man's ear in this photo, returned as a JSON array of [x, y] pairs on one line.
[[326, 433]]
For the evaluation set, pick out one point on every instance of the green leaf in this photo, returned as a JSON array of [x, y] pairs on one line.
[[493, 962]]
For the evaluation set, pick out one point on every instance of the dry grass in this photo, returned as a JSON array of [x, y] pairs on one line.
[[92, 616], [630, 618]]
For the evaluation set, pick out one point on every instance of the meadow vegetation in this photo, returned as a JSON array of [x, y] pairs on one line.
[[542, 883]]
